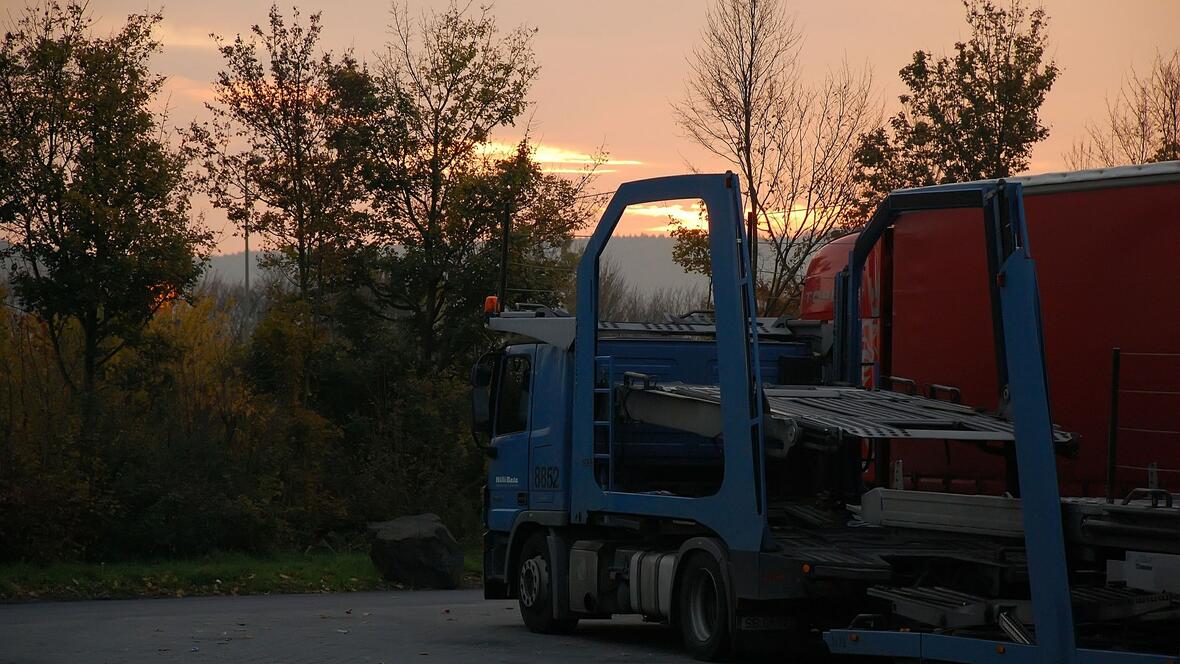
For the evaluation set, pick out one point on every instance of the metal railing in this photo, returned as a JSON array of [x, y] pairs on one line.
[[1115, 426]]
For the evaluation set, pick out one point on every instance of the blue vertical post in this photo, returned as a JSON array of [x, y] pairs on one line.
[[1033, 425], [1021, 367], [736, 512]]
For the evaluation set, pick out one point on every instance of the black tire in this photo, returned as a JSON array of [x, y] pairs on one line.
[[534, 589], [703, 608]]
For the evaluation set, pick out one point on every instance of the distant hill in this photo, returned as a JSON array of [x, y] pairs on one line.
[[646, 262], [231, 268]]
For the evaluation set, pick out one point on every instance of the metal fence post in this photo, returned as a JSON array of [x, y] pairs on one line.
[[1113, 433]]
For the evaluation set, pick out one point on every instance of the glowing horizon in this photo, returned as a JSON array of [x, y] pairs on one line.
[[689, 217], [563, 159]]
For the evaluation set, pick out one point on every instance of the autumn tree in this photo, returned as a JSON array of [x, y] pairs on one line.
[[968, 116], [288, 128], [1142, 121], [440, 198], [792, 142], [690, 247], [94, 199]]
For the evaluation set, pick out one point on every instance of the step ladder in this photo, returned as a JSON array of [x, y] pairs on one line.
[[604, 420]]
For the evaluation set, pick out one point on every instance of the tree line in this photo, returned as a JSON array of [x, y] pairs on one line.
[[145, 414]]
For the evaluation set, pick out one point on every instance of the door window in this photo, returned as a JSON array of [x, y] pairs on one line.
[[512, 404]]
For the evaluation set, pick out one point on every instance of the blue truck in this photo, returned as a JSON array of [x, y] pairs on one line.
[[709, 472]]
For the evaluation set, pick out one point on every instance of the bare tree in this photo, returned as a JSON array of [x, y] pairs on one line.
[[621, 300], [1142, 122], [815, 181], [792, 142]]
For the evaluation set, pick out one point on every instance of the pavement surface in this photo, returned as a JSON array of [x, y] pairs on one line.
[[423, 627]]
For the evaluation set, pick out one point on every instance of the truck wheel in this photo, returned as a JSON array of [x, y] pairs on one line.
[[703, 603], [534, 589]]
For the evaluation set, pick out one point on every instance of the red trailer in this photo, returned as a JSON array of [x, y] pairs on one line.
[[1107, 249]]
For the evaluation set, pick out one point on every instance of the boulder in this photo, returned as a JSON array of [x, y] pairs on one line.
[[417, 551]]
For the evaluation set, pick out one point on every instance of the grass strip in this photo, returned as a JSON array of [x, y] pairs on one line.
[[220, 574]]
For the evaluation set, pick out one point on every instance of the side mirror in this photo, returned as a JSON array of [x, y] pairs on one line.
[[482, 375]]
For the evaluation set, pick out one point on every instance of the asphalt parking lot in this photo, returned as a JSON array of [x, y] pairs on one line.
[[427, 626]]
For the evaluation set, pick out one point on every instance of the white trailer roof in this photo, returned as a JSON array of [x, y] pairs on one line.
[[1100, 178]]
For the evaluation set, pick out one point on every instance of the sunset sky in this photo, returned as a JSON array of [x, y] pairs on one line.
[[610, 68]]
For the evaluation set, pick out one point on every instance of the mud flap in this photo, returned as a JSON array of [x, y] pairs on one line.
[[559, 557]]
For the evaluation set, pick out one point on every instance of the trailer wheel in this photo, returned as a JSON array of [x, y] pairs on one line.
[[704, 608], [534, 589]]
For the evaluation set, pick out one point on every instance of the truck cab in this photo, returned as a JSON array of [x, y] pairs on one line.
[[522, 430], [524, 416]]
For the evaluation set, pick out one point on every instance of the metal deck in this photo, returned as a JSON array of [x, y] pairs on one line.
[[1135, 524], [845, 411], [868, 553], [945, 607]]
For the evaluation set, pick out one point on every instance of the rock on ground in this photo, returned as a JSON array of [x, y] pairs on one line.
[[417, 551]]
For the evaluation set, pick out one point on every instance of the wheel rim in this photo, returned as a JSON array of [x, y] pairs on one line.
[[703, 606], [531, 581]]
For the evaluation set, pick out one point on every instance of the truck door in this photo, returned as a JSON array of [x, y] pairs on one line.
[[508, 476]]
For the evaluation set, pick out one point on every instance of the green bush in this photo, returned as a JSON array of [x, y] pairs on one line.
[[217, 437]]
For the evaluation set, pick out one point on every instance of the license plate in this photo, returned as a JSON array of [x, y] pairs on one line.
[[761, 623]]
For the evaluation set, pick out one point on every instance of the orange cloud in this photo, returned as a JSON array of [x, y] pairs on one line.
[[175, 36], [686, 214], [555, 159], [576, 171], [183, 86]]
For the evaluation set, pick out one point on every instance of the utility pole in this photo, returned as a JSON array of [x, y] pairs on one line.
[[252, 161], [246, 224], [506, 230], [752, 238]]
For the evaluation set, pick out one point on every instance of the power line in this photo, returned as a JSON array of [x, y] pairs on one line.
[[541, 266], [595, 194], [531, 290], [572, 222]]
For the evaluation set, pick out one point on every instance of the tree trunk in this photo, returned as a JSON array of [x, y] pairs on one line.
[[426, 332], [89, 416]]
